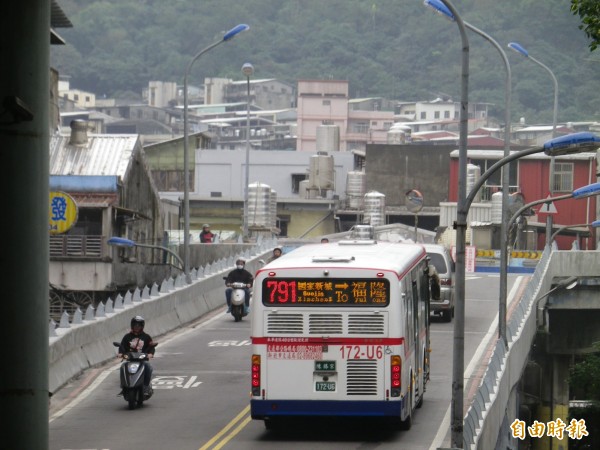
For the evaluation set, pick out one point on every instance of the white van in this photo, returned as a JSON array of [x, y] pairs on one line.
[[440, 258]]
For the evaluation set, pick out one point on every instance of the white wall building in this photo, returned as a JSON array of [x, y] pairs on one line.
[[222, 173]]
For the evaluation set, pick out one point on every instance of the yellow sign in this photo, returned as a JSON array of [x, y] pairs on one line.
[[62, 213]]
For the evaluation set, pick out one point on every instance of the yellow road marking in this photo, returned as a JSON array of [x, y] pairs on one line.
[[227, 427]]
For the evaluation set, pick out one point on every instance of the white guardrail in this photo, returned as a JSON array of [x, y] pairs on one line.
[[85, 339]]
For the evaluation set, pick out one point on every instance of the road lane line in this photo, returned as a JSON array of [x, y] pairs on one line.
[[227, 427], [445, 426], [80, 397], [233, 433]]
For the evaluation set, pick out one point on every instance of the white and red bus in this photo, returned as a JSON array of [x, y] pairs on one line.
[[340, 330]]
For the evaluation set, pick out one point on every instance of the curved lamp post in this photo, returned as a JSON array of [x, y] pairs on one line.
[[594, 224], [505, 172], [571, 143], [522, 51], [122, 242], [186, 182], [583, 192], [446, 8], [247, 70]]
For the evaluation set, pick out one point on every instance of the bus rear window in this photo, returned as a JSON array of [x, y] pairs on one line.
[[354, 292]]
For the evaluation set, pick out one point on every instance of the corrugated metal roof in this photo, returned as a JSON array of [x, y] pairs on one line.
[[103, 155]]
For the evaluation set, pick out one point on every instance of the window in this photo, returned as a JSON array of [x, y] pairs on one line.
[[423, 115], [326, 102], [446, 114], [436, 115], [296, 179], [361, 127], [562, 180]]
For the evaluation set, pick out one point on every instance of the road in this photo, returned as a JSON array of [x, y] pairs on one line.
[[202, 382]]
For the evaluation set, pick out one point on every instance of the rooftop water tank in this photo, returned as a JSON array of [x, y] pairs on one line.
[[259, 205], [320, 172], [496, 214], [473, 174], [328, 138], [374, 207], [303, 189], [356, 182], [396, 137]]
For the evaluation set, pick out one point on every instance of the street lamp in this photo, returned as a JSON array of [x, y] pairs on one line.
[[521, 50], [572, 143], [582, 192], [186, 182], [505, 172], [458, 359], [123, 242], [594, 224], [247, 70]]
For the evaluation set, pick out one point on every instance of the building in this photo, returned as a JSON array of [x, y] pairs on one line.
[[529, 178], [111, 185]]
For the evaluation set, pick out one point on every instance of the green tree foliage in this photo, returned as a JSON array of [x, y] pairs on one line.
[[589, 11], [396, 49], [584, 380]]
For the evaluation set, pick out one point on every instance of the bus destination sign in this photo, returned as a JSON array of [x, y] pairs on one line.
[[326, 292]]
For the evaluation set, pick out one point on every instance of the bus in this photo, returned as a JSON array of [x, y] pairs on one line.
[[341, 330]]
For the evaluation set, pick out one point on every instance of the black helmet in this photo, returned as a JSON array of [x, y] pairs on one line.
[[138, 320]]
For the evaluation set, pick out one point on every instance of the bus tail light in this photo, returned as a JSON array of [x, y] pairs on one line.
[[395, 375], [255, 375]]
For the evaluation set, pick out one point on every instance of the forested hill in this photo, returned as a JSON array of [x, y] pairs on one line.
[[397, 49]]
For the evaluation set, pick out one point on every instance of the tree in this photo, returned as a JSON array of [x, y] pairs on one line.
[[589, 11]]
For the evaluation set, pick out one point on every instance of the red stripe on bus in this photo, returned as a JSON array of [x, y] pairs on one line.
[[328, 341]]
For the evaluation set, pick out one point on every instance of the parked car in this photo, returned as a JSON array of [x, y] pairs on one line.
[[440, 258]]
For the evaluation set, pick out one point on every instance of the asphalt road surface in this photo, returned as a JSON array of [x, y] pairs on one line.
[[201, 393]]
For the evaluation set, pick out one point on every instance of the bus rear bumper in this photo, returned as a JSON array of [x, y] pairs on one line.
[[261, 409]]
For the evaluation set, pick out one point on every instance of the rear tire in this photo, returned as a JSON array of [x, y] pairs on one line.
[[447, 315], [406, 424]]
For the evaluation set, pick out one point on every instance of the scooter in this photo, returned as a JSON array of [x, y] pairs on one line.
[[132, 378], [238, 300]]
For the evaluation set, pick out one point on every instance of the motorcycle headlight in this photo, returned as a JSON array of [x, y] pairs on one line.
[[133, 367]]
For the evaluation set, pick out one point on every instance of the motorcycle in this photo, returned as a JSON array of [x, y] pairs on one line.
[[238, 300], [132, 378]]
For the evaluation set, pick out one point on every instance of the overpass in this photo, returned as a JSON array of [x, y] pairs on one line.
[[518, 383]]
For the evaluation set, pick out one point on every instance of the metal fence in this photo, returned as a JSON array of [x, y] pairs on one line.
[[485, 416]]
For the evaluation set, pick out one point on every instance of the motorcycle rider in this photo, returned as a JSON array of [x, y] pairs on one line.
[[240, 275], [139, 341], [206, 236], [276, 254]]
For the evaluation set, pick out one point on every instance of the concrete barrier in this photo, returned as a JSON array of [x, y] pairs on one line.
[[83, 345]]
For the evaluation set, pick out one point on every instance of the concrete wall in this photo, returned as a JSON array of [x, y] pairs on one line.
[[395, 169]]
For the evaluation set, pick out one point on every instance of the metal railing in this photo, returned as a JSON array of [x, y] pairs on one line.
[[483, 421]]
